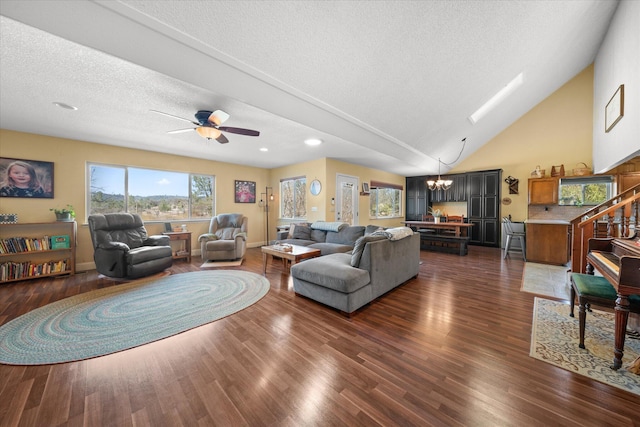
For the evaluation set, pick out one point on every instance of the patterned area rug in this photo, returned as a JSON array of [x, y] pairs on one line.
[[555, 337], [222, 264], [125, 316], [546, 280]]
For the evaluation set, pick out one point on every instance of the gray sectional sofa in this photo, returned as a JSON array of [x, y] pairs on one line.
[[329, 237], [348, 281]]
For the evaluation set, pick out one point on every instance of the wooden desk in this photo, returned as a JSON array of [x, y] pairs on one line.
[[459, 228], [298, 253], [178, 236]]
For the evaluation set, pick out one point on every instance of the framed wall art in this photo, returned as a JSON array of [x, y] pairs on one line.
[[614, 110], [245, 192], [26, 178]]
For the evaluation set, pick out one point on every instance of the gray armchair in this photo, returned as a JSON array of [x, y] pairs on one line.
[[123, 249], [226, 239]]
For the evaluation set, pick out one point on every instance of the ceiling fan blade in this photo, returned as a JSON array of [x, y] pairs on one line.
[[218, 117], [222, 139], [181, 130], [239, 131], [175, 117]]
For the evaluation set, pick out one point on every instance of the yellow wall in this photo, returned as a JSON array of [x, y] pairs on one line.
[[556, 131], [70, 158]]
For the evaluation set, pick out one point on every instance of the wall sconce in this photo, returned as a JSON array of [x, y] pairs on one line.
[[265, 198]]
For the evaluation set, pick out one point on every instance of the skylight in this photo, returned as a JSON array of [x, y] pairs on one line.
[[497, 98]]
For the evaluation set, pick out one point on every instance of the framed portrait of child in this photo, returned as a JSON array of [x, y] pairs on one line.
[[26, 178]]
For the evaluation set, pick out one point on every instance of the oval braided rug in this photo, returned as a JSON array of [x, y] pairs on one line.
[[124, 316]]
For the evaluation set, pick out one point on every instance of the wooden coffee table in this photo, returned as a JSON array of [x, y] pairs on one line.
[[298, 253]]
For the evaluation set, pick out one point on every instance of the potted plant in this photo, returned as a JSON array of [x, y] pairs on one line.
[[64, 214], [436, 213]]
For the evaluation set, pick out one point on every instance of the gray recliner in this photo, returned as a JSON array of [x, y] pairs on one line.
[[123, 249], [226, 239]]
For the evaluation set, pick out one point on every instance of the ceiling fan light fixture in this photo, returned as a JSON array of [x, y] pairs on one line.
[[208, 132], [218, 117]]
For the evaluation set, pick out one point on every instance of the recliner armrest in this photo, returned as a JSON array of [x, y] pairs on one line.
[[114, 246], [242, 235], [207, 237], [157, 240]]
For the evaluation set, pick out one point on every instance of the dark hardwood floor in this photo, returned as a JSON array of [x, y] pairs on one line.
[[448, 348]]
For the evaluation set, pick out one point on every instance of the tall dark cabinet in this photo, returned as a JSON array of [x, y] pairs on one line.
[[483, 206], [417, 198]]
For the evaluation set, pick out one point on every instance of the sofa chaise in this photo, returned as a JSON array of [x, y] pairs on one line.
[[347, 281]]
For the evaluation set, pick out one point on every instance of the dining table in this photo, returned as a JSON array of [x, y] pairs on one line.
[[459, 228]]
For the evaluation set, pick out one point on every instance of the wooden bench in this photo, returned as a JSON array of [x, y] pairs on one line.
[[444, 243]]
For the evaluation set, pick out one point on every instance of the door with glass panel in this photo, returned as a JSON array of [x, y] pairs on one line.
[[347, 199]]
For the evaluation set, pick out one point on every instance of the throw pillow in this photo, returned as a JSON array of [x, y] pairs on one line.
[[358, 248], [302, 232], [318, 235]]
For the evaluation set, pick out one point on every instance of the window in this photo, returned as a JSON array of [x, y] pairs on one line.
[[155, 195], [385, 200], [588, 191], [293, 204]]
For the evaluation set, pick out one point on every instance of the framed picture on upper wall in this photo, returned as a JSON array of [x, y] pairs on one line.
[[614, 110], [245, 191], [26, 178]]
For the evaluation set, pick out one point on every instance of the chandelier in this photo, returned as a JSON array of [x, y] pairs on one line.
[[443, 184]]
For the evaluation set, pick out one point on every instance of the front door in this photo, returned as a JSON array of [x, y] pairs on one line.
[[347, 199]]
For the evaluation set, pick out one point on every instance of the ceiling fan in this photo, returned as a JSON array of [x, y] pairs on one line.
[[208, 125]]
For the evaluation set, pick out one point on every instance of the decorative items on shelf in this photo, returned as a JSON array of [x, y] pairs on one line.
[[8, 218], [538, 173], [65, 214], [557, 170], [581, 171]]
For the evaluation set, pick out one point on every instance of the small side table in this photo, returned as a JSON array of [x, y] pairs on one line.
[[184, 236]]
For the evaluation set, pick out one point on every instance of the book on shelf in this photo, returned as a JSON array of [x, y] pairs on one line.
[[60, 242]]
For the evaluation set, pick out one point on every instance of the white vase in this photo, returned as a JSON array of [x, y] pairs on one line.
[[436, 219]]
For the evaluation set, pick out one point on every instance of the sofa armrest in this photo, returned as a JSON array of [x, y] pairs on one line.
[[157, 240], [281, 235], [391, 263], [207, 237]]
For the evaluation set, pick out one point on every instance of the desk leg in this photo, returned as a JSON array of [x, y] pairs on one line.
[[622, 316], [264, 263]]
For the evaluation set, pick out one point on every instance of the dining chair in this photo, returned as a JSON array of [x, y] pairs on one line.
[[521, 235]]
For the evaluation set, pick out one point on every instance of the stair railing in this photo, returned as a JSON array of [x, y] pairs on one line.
[[585, 226]]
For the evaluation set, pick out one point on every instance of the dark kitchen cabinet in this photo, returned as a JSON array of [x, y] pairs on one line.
[[416, 198], [456, 193], [483, 206]]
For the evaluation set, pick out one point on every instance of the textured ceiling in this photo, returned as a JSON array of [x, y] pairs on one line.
[[386, 84]]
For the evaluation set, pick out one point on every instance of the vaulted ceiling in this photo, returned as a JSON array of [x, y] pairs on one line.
[[385, 84]]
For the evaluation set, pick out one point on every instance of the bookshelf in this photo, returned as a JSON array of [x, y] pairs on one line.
[[35, 250]]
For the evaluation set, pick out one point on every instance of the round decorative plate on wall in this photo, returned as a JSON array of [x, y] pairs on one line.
[[506, 201], [316, 187]]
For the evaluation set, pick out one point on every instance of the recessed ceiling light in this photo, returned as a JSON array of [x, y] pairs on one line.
[[313, 141], [497, 98], [65, 106], [264, 149]]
